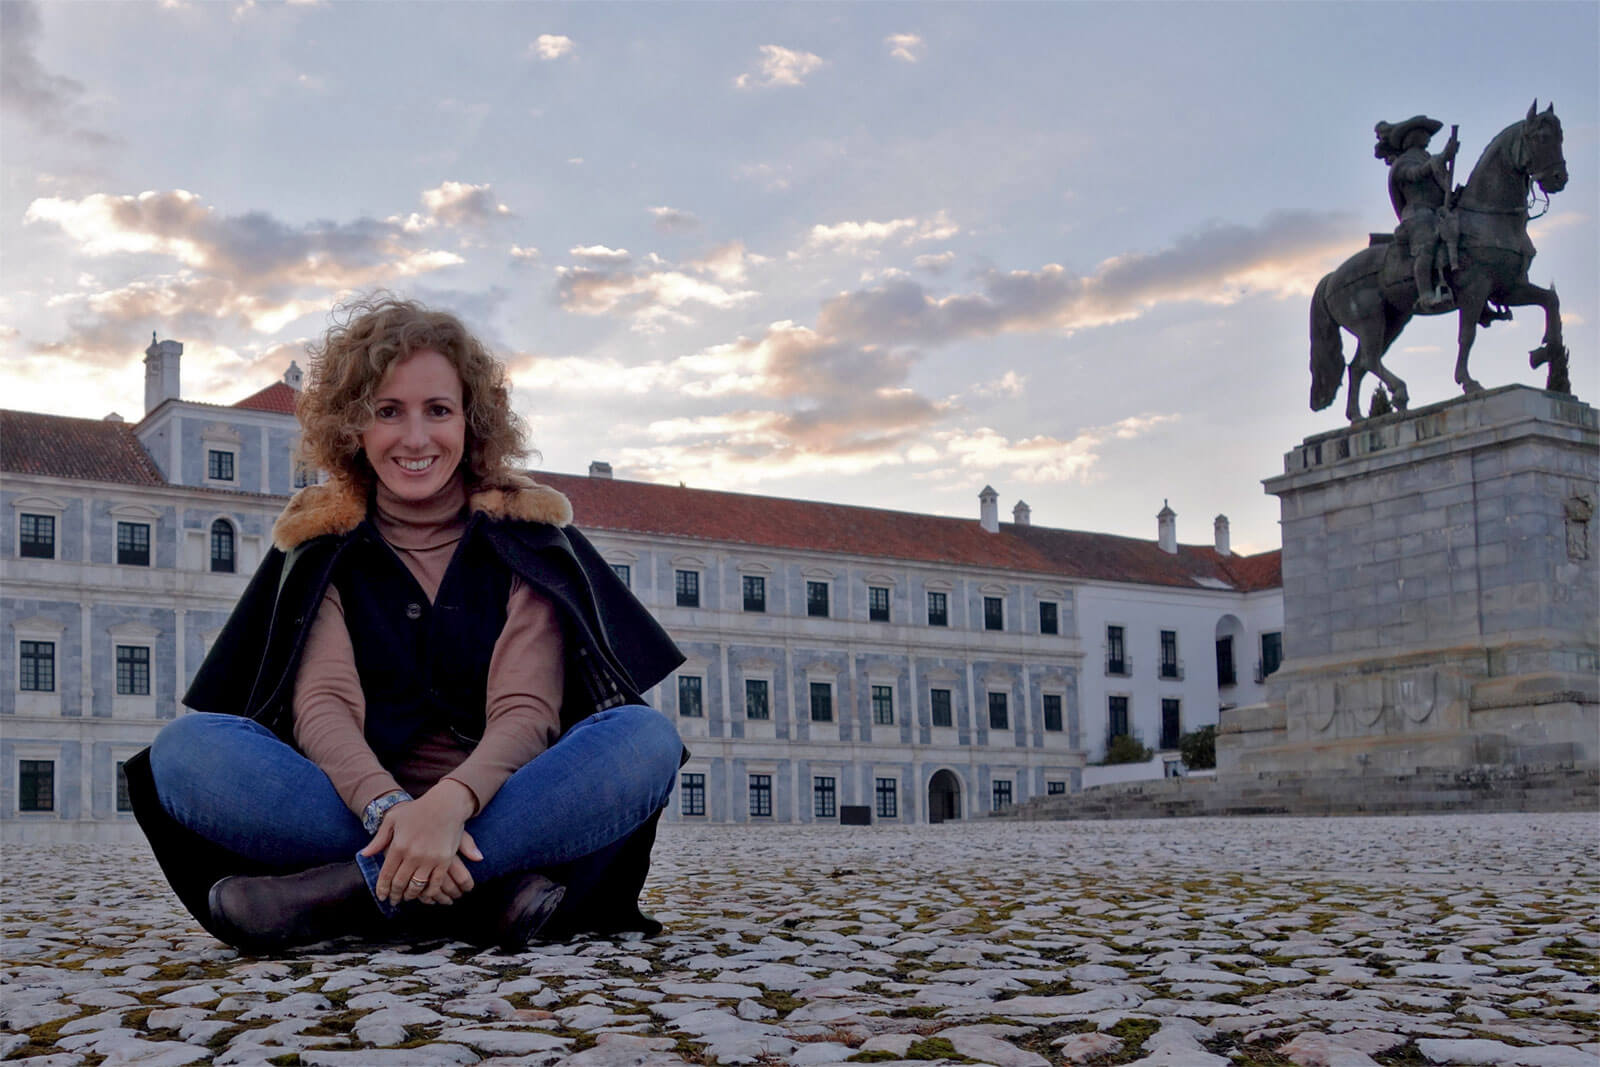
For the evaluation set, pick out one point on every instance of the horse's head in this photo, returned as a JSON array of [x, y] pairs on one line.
[[1541, 149]]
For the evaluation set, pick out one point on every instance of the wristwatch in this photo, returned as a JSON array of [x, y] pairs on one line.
[[372, 817]]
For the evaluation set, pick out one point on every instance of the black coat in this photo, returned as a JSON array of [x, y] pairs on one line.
[[615, 650]]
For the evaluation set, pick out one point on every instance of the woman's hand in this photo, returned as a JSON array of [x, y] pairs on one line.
[[423, 841]]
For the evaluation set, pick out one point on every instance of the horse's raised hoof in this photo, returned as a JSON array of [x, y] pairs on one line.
[[1545, 353]]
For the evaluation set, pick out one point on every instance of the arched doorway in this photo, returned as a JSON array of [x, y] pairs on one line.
[[944, 797]]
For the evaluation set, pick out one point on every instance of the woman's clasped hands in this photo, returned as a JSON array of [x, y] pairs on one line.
[[423, 842]]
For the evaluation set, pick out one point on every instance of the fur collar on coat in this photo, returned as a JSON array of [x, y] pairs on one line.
[[337, 507]]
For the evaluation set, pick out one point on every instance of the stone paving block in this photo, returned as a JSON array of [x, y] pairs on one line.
[[1288, 937]]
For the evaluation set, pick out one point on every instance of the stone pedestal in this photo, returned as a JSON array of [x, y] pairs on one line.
[[1441, 586]]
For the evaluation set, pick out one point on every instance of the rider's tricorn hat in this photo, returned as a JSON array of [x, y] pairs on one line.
[[1392, 136]]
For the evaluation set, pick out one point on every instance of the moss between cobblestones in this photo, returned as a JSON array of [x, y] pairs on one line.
[[1247, 1055], [779, 1001], [1406, 1055]]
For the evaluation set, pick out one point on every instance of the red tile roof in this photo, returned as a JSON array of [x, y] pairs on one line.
[[59, 447], [277, 397], [811, 526]]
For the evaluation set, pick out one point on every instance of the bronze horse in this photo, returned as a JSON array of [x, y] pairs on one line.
[[1373, 293]]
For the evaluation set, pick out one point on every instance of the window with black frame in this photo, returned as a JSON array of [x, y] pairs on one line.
[[133, 544], [994, 613], [938, 609], [1052, 712], [686, 588], [886, 791], [939, 701], [821, 702], [756, 702], [755, 592], [691, 693], [36, 536], [692, 794], [877, 603], [824, 797], [761, 796], [1049, 617], [817, 599], [222, 548]]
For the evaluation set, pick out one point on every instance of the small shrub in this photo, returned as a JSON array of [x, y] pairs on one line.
[[1125, 748], [1199, 748]]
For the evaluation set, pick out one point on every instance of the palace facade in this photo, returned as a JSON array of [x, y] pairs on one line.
[[845, 664]]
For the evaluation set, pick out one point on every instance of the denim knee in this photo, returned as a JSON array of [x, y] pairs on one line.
[[193, 744], [657, 746]]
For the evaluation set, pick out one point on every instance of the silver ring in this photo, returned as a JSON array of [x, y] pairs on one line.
[[419, 881]]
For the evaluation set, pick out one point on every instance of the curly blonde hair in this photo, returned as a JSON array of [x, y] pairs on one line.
[[368, 336]]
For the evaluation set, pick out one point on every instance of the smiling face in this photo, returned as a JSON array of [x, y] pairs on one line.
[[419, 426]]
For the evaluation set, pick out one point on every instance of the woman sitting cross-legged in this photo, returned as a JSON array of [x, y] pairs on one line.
[[423, 718]]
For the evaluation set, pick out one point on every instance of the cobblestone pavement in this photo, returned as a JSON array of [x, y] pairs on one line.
[[1341, 942]]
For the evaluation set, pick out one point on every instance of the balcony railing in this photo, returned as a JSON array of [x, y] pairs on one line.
[[1119, 665], [1172, 669]]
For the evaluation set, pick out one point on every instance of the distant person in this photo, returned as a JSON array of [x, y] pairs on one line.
[[423, 718]]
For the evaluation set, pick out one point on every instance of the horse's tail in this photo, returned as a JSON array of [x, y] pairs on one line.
[[1327, 349]]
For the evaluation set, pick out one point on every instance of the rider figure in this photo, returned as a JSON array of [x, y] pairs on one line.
[[1419, 189]]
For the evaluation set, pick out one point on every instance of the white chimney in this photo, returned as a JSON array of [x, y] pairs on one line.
[[989, 509], [1022, 514], [1220, 528], [599, 468], [294, 376], [160, 372], [1167, 529]]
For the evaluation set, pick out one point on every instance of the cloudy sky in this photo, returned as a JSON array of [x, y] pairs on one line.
[[876, 253]]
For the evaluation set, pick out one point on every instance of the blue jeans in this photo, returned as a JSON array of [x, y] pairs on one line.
[[233, 782]]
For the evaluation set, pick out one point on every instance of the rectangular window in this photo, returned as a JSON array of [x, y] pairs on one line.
[[687, 586], [761, 795], [878, 603], [994, 613], [817, 599], [1118, 725], [624, 572], [1171, 722], [36, 785], [1055, 789], [690, 693], [124, 800], [37, 665], [1271, 653], [999, 717], [883, 705], [821, 702], [1225, 674], [1052, 711], [133, 670], [755, 593], [756, 705], [303, 476], [888, 799], [940, 700], [694, 793], [938, 609], [38, 536], [824, 798], [1049, 617], [1169, 654], [219, 465], [1116, 653], [1002, 795], [133, 544]]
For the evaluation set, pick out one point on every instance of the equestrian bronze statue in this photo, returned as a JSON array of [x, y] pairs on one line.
[[1464, 250]]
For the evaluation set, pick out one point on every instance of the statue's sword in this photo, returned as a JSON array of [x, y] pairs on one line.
[[1449, 224]]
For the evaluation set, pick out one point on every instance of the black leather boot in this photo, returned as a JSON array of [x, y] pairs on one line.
[[508, 913], [269, 913]]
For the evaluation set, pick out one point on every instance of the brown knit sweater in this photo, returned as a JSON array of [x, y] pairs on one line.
[[522, 717]]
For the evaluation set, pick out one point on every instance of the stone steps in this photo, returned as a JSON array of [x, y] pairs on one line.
[[1548, 787]]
